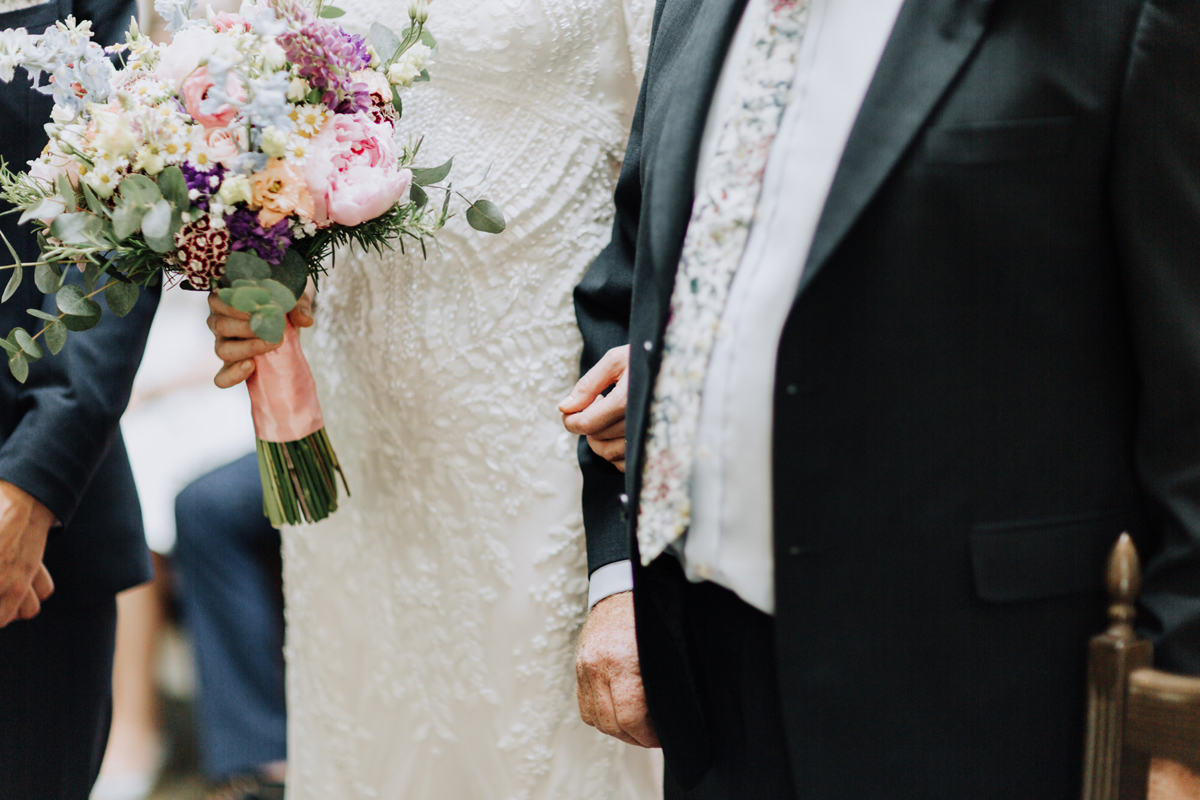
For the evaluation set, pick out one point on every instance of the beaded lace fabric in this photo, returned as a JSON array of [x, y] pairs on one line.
[[716, 236], [431, 620]]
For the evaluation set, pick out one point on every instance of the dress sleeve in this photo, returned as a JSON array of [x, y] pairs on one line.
[[639, 17]]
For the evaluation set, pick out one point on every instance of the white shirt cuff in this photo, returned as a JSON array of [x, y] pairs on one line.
[[610, 579]]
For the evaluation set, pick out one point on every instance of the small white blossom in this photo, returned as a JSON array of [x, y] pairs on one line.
[[274, 142]]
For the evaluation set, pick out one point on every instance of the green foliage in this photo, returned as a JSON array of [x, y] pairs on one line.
[[121, 297], [385, 42], [48, 278], [266, 300], [330, 12], [486, 216], [245, 265], [426, 177]]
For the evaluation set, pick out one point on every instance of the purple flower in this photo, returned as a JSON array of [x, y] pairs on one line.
[[327, 56], [206, 183], [246, 233]]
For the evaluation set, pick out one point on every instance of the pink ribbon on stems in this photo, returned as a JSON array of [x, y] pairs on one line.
[[283, 395]]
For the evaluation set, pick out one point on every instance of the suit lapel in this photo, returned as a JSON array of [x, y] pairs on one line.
[[929, 45], [701, 30]]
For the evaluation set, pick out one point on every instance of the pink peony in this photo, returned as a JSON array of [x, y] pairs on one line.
[[226, 21], [352, 170], [196, 86]]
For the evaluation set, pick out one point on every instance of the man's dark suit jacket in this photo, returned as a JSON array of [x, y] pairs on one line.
[[59, 435], [991, 368]]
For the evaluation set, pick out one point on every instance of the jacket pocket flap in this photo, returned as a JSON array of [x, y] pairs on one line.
[[1043, 558], [1002, 140]]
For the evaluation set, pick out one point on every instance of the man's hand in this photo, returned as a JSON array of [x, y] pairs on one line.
[[608, 675], [601, 418], [24, 581], [236, 343]]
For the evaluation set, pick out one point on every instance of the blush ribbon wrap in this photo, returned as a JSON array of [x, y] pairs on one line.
[[283, 394]]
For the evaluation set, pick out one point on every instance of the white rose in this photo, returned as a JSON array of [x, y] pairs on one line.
[[274, 142], [114, 137], [235, 189]]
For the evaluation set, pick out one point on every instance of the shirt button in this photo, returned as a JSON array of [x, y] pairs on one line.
[[649, 345], [792, 389], [794, 550]]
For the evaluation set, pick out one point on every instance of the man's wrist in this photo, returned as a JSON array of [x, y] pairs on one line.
[[608, 580]]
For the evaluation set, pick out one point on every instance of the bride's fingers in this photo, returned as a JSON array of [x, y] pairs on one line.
[[233, 350], [220, 308], [230, 327], [232, 374]]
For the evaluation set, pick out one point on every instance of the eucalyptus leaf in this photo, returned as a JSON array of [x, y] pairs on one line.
[[121, 297], [28, 346], [56, 337], [66, 191], [417, 195], [43, 209], [332, 12], [386, 43], [77, 228], [281, 295], [157, 222], [91, 277], [139, 189], [397, 103], [174, 188], [37, 312], [268, 324], [14, 283], [486, 216], [126, 220], [248, 299], [71, 301], [292, 272], [427, 38], [74, 322], [94, 204], [247, 265], [9, 346], [12, 251], [48, 278], [423, 77], [18, 366], [424, 177]]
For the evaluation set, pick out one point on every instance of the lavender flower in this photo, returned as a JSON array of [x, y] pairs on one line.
[[327, 56], [248, 234]]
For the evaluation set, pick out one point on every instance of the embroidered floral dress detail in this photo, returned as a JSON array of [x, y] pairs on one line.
[[720, 224]]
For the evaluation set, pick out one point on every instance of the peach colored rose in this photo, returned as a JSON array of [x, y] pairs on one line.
[[352, 170], [225, 144], [279, 191], [194, 89]]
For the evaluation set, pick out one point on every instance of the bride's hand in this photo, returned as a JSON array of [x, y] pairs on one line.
[[601, 417], [236, 343]]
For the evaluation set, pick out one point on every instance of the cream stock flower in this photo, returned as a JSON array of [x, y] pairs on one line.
[[236, 189]]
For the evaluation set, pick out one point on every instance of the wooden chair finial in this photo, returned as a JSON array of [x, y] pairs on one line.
[[1123, 581]]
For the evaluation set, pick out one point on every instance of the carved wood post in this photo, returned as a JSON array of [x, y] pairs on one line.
[[1112, 656]]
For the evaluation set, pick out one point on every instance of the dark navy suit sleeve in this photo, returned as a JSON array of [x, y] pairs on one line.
[[71, 405], [62, 422], [1156, 191], [602, 304]]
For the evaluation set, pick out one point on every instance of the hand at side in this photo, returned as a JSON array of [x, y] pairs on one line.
[[24, 581], [608, 675], [236, 343], [599, 417]]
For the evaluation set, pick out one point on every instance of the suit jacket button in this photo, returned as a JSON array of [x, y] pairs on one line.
[[624, 506], [792, 389], [649, 345], [794, 550]]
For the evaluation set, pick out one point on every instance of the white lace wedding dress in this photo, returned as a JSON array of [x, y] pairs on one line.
[[431, 620]]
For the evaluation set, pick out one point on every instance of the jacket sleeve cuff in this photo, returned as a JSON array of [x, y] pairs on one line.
[[608, 580]]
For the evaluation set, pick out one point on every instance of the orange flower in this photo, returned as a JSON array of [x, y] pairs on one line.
[[280, 191]]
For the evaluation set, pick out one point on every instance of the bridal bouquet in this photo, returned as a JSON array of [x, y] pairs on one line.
[[234, 157]]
